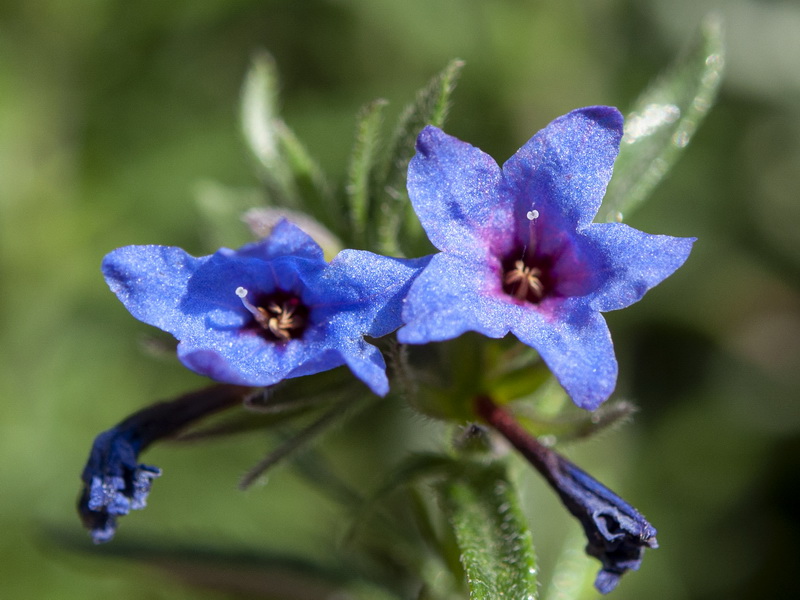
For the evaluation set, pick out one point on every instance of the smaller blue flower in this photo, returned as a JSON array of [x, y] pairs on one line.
[[114, 482], [519, 251], [270, 310]]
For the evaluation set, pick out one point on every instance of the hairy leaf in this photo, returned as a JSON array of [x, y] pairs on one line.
[[429, 108], [495, 543], [663, 121], [360, 172], [259, 120]]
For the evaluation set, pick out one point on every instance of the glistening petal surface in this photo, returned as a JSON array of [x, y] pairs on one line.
[[455, 191], [196, 300], [521, 255], [453, 295], [564, 169], [577, 348], [635, 262]]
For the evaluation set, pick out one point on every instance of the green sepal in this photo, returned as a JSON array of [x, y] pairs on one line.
[[442, 377], [573, 423], [274, 406], [336, 415], [663, 121]]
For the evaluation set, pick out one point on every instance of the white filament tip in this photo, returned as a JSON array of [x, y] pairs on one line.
[[242, 293], [532, 215]]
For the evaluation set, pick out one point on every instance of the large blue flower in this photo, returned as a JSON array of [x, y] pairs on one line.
[[519, 251], [270, 310]]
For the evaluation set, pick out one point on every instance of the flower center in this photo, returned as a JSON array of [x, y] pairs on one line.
[[525, 279], [282, 316]]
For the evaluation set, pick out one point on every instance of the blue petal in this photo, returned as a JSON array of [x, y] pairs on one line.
[[246, 358], [374, 285], [576, 345], [548, 194], [195, 299], [634, 262], [455, 190], [285, 239], [454, 295], [367, 363], [210, 302], [563, 170], [151, 281]]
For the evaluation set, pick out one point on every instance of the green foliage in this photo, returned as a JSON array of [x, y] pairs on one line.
[[292, 178], [261, 125], [393, 218], [663, 121], [111, 116], [495, 544], [373, 210], [363, 161]]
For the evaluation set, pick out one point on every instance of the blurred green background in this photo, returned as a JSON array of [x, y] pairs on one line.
[[117, 116]]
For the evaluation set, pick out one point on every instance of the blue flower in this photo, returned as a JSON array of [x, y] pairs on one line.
[[270, 310], [519, 251]]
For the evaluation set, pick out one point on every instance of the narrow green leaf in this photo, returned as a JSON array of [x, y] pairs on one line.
[[578, 424], [360, 172], [314, 192], [220, 208], [574, 571], [495, 543], [394, 211], [239, 571], [663, 121], [311, 433], [259, 118]]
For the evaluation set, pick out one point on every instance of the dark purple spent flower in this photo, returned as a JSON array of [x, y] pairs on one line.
[[617, 534], [114, 482]]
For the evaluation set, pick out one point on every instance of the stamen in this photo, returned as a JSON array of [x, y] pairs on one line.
[[532, 215], [280, 318], [259, 313], [524, 281], [254, 310]]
